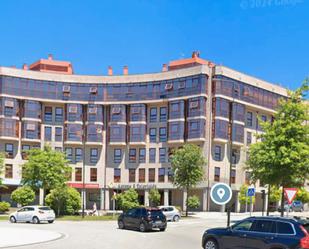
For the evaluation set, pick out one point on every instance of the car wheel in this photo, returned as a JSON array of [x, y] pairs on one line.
[[35, 220], [12, 219], [162, 229], [120, 224], [211, 244], [142, 227], [50, 221], [176, 218]]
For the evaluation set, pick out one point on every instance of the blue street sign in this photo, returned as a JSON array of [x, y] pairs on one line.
[[221, 193], [251, 192]]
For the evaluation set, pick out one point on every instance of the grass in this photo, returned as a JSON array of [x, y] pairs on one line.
[[87, 218], [4, 217]]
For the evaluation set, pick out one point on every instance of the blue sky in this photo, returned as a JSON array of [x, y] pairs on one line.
[[268, 39]]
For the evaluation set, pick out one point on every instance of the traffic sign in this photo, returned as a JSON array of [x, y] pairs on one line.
[[290, 194], [221, 193], [251, 192]]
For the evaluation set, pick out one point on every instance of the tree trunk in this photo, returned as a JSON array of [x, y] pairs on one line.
[[187, 189], [282, 202], [268, 203]]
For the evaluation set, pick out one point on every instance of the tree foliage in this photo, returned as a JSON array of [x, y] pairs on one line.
[[302, 195], [275, 194], [154, 197], [23, 195], [128, 199], [193, 202], [242, 195], [1, 167], [64, 200], [281, 158], [47, 169], [187, 165], [4, 206]]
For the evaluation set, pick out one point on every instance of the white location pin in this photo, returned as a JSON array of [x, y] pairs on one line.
[[221, 192]]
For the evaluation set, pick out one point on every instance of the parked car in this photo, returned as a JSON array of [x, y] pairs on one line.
[[171, 213], [260, 233], [296, 206], [143, 219], [34, 214]]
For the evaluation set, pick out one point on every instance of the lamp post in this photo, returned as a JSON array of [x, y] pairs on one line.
[[84, 109]]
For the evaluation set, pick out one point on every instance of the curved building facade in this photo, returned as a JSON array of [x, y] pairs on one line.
[[127, 125]]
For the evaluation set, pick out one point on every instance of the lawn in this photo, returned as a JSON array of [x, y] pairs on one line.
[[4, 217], [87, 218]]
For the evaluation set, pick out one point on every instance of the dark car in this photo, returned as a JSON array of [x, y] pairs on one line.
[[260, 233], [296, 206], [143, 219]]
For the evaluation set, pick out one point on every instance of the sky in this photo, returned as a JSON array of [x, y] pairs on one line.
[[268, 39]]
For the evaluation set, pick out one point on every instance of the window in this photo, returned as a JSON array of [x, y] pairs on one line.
[[117, 175], [153, 135], [218, 153], [153, 114], [117, 155], [235, 156], [78, 154], [249, 138], [69, 154], [9, 150], [151, 175], [132, 155], [141, 175], [142, 155], [8, 107], [48, 114], [249, 119], [233, 176], [217, 174], [170, 175], [8, 171], [131, 175], [93, 174], [161, 174], [162, 155], [284, 228], [59, 149], [243, 226], [24, 149], [163, 114], [162, 134], [263, 226], [94, 154], [247, 177], [194, 126], [175, 107], [47, 133], [59, 114], [78, 174], [58, 134], [174, 128], [152, 155], [264, 118]]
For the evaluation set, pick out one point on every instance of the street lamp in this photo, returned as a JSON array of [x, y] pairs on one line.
[[84, 109]]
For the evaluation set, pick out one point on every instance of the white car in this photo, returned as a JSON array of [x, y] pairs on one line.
[[34, 214], [171, 213]]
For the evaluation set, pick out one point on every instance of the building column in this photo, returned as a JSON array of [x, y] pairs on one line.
[[204, 200], [83, 194], [222, 208], [237, 203], [184, 199], [101, 199], [166, 199], [107, 201], [41, 196], [146, 198]]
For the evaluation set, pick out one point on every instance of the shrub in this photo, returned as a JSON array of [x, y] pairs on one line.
[[64, 201], [23, 195], [193, 201], [154, 197], [4, 206], [128, 199]]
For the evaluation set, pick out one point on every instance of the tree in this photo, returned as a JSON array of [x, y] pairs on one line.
[[154, 197], [23, 195], [193, 202], [128, 199], [1, 167], [302, 195], [281, 158], [187, 165], [243, 196], [4, 206], [46, 169], [275, 194], [64, 201]]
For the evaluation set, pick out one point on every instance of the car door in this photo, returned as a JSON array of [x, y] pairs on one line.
[[20, 216], [261, 234], [29, 214], [235, 237], [127, 217]]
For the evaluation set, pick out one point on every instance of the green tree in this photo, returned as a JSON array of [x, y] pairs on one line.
[[64, 201], [4, 206], [128, 199], [242, 195], [154, 197], [1, 167], [275, 194], [282, 156], [193, 202], [187, 165], [302, 195], [23, 195], [46, 169]]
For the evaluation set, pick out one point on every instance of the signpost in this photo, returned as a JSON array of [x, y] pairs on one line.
[[290, 194], [251, 193], [221, 194]]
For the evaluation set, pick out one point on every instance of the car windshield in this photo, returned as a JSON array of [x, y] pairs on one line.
[[154, 212], [45, 208]]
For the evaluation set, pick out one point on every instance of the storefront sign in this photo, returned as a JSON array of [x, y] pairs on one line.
[[135, 186]]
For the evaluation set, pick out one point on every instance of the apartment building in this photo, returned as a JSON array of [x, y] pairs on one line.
[[126, 126]]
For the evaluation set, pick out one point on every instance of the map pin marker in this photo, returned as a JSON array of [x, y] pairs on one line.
[[221, 192]]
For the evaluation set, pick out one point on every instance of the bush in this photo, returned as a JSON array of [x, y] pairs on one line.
[[193, 202], [64, 201], [128, 199], [4, 206], [23, 195], [154, 197]]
